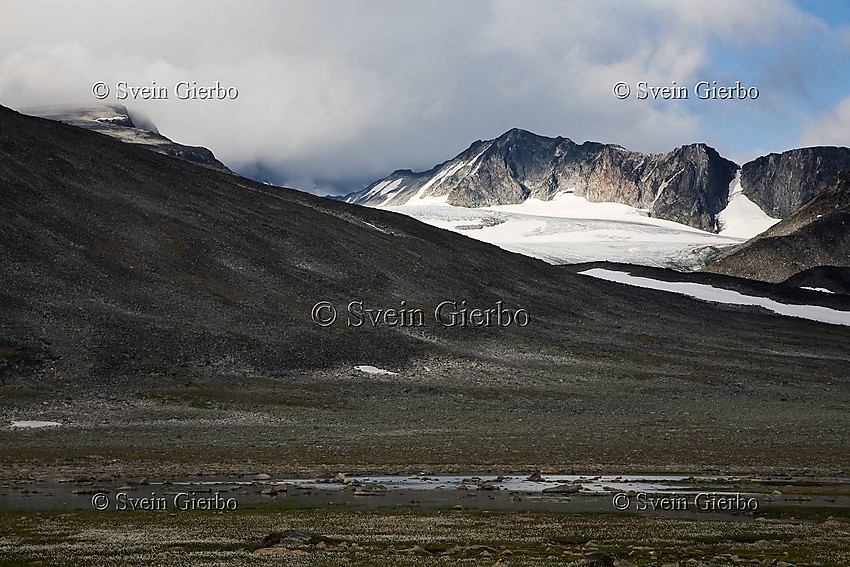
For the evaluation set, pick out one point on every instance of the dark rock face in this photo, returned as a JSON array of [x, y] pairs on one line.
[[194, 154], [699, 188], [781, 183], [816, 235], [514, 167], [116, 121], [688, 185]]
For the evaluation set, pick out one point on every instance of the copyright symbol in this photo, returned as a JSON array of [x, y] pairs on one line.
[[621, 90], [100, 90], [323, 314], [100, 501], [621, 501]]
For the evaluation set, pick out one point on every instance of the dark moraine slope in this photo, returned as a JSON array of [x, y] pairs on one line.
[[119, 261]]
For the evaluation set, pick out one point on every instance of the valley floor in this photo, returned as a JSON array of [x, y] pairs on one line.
[[444, 414], [485, 412]]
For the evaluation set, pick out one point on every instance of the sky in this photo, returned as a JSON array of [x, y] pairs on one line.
[[333, 95]]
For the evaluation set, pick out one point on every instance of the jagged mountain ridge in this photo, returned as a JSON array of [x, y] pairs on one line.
[[688, 185], [116, 121]]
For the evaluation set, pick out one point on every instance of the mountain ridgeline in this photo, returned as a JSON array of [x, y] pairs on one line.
[[689, 185]]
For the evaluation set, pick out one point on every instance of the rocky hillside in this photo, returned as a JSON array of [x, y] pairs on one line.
[[116, 121], [688, 185], [815, 235], [123, 264]]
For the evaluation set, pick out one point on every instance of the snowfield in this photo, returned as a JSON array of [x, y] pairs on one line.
[[742, 218], [720, 295], [569, 230], [374, 370]]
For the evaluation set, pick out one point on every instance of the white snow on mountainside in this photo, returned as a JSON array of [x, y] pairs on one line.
[[719, 295], [742, 218], [569, 229]]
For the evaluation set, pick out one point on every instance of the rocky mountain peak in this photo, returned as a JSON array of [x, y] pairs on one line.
[[687, 185]]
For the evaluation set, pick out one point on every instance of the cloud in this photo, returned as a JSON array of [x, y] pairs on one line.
[[333, 95], [832, 129]]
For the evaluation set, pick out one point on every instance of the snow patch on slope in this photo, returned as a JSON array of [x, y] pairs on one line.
[[374, 370], [435, 181], [476, 158], [383, 187], [34, 424], [727, 296], [819, 289], [742, 218], [442, 176], [664, 185]]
